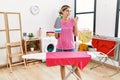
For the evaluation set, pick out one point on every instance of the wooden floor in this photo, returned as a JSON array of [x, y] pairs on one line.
[[39, 71]]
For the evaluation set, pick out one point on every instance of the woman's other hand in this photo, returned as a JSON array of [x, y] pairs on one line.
[[76, 19]]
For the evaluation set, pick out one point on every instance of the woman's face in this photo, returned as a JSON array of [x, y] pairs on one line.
[[66, 12]]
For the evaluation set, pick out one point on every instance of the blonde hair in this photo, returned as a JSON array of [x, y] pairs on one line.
[[63, 8]]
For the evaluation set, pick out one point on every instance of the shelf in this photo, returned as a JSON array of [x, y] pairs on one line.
[[35, 41], [2, 30], [2, 47], [32, 39], [35, 51], [14, 44], [26, 47]]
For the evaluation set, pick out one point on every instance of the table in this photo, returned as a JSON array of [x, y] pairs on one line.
[[79, 59]]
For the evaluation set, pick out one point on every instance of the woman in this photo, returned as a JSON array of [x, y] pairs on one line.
[[66, 35]]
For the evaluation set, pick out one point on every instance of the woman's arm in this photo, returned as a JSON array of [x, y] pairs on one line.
[[75, 30]]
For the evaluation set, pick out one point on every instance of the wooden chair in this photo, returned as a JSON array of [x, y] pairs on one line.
[[12, 52]]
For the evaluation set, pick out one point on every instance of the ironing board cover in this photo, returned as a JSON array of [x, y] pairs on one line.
[[80, 59]]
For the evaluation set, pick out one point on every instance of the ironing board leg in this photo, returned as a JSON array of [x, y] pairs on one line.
[[71, 72], [101, 62]]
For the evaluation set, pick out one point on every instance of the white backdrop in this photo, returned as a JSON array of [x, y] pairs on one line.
[[105, 14], [31, 23], [105, 17]]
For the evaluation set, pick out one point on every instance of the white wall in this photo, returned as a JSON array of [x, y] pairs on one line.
[[105, 17], [105, 14], [31, 23]]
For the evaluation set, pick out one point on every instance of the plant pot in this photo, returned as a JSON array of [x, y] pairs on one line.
[[32, 49]]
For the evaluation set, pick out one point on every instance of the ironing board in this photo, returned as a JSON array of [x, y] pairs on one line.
[[79, 59]]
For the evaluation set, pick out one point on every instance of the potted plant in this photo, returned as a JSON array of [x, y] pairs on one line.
[[30, 35], [32, 46]]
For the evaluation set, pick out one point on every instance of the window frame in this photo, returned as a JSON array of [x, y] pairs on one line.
[[94, 14], [117, 19]]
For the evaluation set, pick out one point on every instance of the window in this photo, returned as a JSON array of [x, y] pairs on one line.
[[85, 10], [119, 25], [84, 6]]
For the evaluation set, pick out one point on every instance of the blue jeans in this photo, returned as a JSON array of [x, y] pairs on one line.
[[63, 50]]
